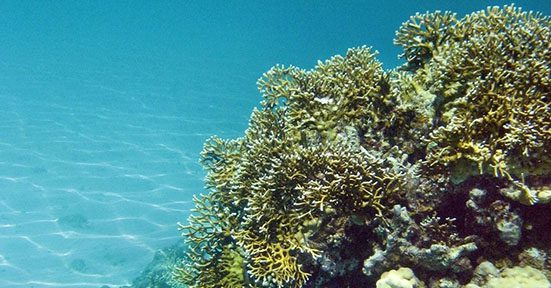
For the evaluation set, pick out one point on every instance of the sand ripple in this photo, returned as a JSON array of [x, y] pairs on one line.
[[94, 177]]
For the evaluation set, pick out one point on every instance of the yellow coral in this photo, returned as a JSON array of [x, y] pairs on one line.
[[492, 86], [273, 263]]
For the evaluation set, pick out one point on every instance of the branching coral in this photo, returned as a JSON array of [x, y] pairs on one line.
[[488, 74], [301, 160], [212, 257], [340, 92], [273, 262], [292, 181], [339, 143], [423, 34], [209, 246]]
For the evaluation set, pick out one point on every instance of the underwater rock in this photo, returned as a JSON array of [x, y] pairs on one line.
[[544, 195], [477, 208], [74, 221], [509, 230], [371, 264], [498, 217], [400, 245], [516, 277], [526, 277], [540, 195], [484, 271], [507, 222], [533, 257], [478, 195], [445, 283], [441, 257], [400, 278], [158, 273], [397, 235], [78, 265]]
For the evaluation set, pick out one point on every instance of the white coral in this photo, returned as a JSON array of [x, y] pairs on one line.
[[401, 278]]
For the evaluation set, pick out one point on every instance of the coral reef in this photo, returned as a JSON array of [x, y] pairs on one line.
[[272, 190], [347, 171]]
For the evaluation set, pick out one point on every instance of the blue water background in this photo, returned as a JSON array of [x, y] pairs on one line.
[[104, 106]]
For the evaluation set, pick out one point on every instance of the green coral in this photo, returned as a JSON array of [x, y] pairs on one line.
[[336, 145]]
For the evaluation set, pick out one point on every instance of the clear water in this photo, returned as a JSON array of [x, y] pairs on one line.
[[104, 108]]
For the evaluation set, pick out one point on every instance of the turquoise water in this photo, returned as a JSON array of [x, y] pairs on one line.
[[104, 108]]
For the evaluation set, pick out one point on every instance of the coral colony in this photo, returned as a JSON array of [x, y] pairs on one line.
[[433, 174]]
